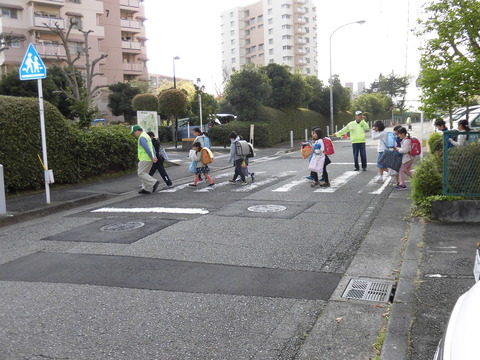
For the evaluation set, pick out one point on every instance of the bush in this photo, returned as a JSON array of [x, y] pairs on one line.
[[74, 154], [145, 102], [464, 170]]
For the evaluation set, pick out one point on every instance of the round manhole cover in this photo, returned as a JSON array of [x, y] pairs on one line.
[[131, 225], [267, 208]]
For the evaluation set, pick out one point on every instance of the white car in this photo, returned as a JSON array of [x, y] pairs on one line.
[[460, 340]]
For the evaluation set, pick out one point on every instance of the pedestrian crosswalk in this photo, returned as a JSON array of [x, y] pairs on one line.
[[296, 181]]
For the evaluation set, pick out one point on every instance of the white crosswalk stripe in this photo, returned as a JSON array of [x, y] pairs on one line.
[[339, 181], [290, 185]]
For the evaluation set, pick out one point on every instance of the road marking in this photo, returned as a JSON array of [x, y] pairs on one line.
[[340, 181], [263, 159], [252, 186], [175, 189], [372, 183], [153, 210], [290, 185]]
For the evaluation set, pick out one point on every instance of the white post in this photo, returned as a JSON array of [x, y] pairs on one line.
[[252, 134], [291, 138], [306, 135], [200, 104], [328, 131], [3, 206], [44, 140]]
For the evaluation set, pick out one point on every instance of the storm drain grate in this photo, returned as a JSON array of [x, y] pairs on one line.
[[368, 290]]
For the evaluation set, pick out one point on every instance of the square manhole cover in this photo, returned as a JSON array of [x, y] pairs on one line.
[[116, 231], [368, 290]]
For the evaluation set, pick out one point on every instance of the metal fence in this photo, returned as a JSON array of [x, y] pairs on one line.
[[461, 163]]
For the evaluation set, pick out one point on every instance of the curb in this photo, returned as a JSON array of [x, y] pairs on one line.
[[396, 344], [49, 209]]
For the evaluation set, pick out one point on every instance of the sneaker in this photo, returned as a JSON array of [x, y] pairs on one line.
[[232, 181], [143, 191], [356, 169], [379, 180], [309, 177], [155, 187], [211, 185], [325, 184], [167, 187], [192, 185], [364, 169], [316, 183], [243, 183], [400, 187], [321, 180]]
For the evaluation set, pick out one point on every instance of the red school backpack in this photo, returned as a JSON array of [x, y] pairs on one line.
[[328, 145], [416, 147]]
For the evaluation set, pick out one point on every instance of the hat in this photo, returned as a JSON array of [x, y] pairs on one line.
[[358, 112], [136, 128]]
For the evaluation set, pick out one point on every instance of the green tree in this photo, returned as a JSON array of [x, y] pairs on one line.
[[145, 102], [172, 103], [209, 104], [341, 96], [450, 75], [120, 100], [246, 90], [288, 90], [372, 104], [394, 86]]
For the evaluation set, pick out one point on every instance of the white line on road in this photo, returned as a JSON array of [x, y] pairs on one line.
[[252, 186], [154, 210], [289, 186], [339, 181]]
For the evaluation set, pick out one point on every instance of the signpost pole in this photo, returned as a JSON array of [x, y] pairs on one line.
[[44, 141]]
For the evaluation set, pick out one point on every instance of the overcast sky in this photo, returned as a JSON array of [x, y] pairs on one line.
[[190, 29]]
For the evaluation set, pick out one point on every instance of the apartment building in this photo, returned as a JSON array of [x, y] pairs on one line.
[[270, 31], [116, 29]]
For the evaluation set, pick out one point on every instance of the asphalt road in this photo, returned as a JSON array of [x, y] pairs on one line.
[[233, 272]]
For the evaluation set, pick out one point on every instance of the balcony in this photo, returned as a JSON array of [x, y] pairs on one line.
[[132, 45], [301, 40], [50, 50], [300, 20], [301, 10], [58, 3], [130, 24], [136, 67], [301, 30], [44, 21], [130, 3], [301, 51]]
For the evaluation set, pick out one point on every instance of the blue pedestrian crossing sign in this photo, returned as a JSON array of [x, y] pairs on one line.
[[32, 67]]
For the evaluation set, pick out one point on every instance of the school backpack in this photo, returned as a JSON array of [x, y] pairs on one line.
[[207, 156], [390, 139], [416, 147], [472, 139], [244, 149], [328, 146], [206, 142]]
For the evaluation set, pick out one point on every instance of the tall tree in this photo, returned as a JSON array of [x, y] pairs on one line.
[[120, 100], [81, 97], [288, 90], [450, 71], [394, 86], [246, 90]]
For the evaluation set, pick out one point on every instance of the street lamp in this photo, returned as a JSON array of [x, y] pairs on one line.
[[331, 80], [175, 86], [200, 102], [174, 79]]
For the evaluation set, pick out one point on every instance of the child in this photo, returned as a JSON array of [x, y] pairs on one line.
[[407, 158], [311, 143], [379, 133], [201, 168], [318, 149], [236, 160]]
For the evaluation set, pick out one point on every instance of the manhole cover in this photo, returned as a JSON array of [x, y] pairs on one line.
[[131, 225], [368, 290], [267, 208]]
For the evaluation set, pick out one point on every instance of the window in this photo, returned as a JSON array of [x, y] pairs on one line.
[[270, 31], [260, 47], [232, 42], [269, 11], [247, 41], [232, 51], [260, 26], [270, 21], [260, 18], [270, 51], [232, 33], [233, 60], [9, 13], [287, 47], [286, 16], [232, 23], [285, 6], [75, 1], [286, 37], [253, 48], [231, 14], [285, 27], [270, 41], [271, 61]]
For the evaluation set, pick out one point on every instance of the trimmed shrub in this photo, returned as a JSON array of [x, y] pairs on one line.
[[74, 154], [145, 102]]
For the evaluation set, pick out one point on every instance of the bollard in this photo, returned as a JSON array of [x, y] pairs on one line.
[[328, 131], [3, 207], [306, 135], [291, 138]]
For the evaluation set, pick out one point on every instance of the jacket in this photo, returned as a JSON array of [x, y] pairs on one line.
[[405, 149], [233, 155], [382, 137], [145, 148], [356, 130]]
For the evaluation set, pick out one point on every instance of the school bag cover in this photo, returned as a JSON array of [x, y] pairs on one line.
[[416, 146], [328, 146], [244, 149], [206, 142], [207, 156]]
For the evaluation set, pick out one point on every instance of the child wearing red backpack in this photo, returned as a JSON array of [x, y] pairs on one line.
[[319, 151], [407, 158]]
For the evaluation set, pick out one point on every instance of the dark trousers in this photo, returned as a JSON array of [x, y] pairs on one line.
[[238, 170], [359, 148], [161, 169]]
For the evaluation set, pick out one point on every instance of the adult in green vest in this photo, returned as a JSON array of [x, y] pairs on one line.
[[357, 129], [146, 158]]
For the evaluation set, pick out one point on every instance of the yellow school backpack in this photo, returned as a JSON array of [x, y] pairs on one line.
[[207, 156]]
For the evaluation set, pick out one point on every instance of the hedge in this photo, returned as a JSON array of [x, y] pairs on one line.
[[73, 154]]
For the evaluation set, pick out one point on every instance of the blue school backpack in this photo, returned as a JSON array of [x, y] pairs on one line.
[[391, 139], [206, 142]]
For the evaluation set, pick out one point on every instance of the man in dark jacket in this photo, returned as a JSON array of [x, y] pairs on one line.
[[159, 164]]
